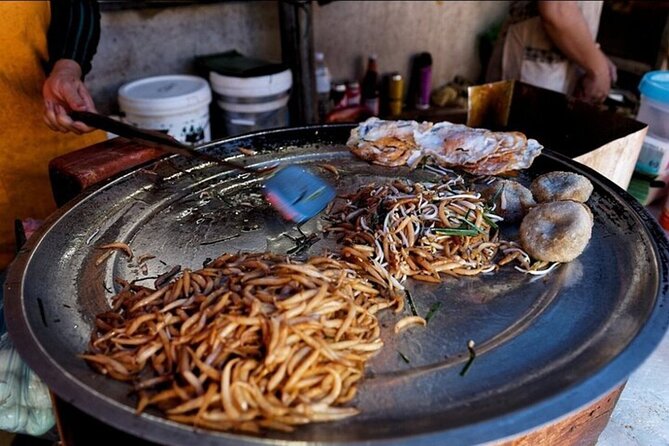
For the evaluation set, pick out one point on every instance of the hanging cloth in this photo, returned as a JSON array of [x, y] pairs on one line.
[[26, 143]]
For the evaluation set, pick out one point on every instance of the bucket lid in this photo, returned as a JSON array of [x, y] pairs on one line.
[[655, 85], [171, 93]]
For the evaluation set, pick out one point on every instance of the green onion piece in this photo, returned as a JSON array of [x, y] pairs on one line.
[[496, 196], [411, 303], [490, 222], [433, 309], [404, 357], [317, 193], [462, 232], [472, 356], [473, 226]]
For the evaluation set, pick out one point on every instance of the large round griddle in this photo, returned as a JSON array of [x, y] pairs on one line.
[[545, 346]]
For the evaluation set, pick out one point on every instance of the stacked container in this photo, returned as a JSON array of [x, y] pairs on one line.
[[253, 103]]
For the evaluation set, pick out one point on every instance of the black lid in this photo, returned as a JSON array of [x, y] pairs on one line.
[[233, 63]]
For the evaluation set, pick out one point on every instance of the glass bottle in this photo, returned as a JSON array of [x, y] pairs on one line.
[[323, 81], [370, 86]]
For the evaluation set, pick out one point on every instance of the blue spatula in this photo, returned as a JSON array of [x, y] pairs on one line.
[[297, 194]]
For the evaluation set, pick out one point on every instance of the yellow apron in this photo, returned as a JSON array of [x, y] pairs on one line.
[[26, 144]]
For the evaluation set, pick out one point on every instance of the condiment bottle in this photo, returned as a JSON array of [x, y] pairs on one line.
[[353, 93], [370, 87], [338, 95], [323, 80], [395, 90]]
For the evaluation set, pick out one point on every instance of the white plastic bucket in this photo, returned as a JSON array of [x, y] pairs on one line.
[[176, 103], [253, 103]]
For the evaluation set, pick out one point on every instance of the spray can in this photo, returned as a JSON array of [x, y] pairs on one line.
[[424, 63]]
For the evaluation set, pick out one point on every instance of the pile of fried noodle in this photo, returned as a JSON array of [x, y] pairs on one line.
[[249, 341], [423, 231]]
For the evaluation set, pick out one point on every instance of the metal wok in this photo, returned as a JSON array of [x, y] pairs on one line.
[[545, 346]]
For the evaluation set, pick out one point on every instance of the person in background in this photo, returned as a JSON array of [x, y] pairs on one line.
[[551, 44], [47, 50]]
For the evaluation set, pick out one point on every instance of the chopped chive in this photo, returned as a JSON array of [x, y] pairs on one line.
[[404, 357], [462, 232], [433, 309], [472, 356], [219, 240], [40, 305], [412, 306], [490, 222], [318, 192], [473, 226], [496, 196]]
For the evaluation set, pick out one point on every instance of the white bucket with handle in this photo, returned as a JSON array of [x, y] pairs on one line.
[[253, 103], [178, 104]]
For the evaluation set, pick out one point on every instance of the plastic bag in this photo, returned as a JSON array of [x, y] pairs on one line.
[[25, 403]]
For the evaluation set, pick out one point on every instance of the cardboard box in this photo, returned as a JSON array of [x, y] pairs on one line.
[[601, 139]]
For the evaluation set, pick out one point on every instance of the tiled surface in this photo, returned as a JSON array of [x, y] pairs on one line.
[[641, 416]]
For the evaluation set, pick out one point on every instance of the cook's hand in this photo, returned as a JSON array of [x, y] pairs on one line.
[[64, 91], [595, 84]]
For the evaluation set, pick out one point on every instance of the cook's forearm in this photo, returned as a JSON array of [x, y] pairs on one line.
[[74, 32], [566, 27]]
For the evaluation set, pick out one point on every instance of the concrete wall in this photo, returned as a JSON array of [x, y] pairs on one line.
[[140, 43], [148, 42], [396, 30]]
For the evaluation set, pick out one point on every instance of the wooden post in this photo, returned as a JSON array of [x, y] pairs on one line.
[[297, 49]]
